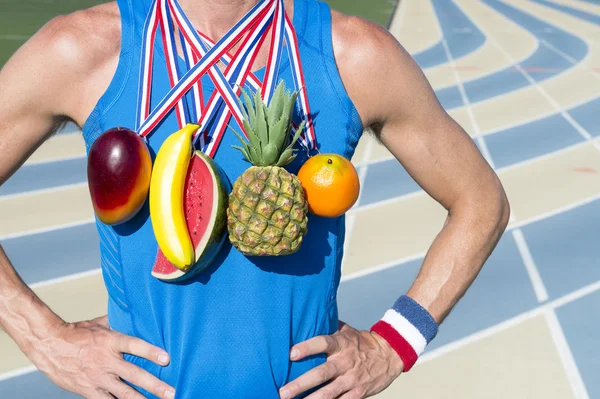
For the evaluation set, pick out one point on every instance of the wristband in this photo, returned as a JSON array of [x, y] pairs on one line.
[[408, 328]]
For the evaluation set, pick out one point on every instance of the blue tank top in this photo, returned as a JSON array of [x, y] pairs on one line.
[[228, 330]]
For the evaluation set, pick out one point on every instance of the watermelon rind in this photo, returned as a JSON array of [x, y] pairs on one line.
[[209, 247]]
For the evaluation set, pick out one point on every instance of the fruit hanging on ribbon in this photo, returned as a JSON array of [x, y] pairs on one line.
[[205, 204], [267, 212], [119, 168], [330, 183], [166, 197]]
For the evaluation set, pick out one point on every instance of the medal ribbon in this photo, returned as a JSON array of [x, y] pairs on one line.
[[201, 56], [235, 75], [192, 76], [308, 139], [294, 55]]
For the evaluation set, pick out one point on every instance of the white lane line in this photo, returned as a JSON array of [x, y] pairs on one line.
[[17, 373], [547, 215], [540, 117], [385, 266], [580, 65], [52, 160], [467, 104], [63, 279], [562, 111], [47, 229], [566, 356], [580, 129], [33, 193], [512, 322], [554, 212], [534, 275]]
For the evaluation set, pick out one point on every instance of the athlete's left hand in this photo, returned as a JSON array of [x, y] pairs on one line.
[[359, 364]]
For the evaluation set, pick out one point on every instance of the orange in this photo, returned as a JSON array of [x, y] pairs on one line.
[[330, 183]]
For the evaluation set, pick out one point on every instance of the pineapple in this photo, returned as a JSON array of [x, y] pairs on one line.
[[267, 213]]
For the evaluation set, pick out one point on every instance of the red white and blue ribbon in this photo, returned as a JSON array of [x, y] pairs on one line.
[[201, 57], [145, 79], [309, 139], [272, 68], [253, 81], [168, 39], [192, 76], [408, 328], [227, 84]]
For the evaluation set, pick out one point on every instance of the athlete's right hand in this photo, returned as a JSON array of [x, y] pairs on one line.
[[86, 358]]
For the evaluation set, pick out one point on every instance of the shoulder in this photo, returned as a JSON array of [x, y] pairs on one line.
[[354, 38], [371, 63], [80, 38], [81, 41]]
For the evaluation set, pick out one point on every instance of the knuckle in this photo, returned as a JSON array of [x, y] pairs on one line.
[[133, 374], [294, 388], [322, 373], [129, 394]]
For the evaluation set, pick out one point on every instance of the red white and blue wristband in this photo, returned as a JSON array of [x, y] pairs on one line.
[[408, 328]]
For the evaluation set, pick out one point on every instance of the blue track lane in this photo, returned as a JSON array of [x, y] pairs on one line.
[[541, 65], [565, 247], [33, 386], [461, 34], [46, 175], [571, 11], [58, 253], [503, 280], [580, 325]]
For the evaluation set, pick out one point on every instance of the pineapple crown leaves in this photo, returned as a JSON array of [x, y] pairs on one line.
[[268, 128]]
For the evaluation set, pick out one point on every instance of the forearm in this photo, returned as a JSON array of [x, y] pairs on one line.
[[470, 234], [22, 314]]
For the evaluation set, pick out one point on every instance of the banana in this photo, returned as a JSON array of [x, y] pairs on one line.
[[167, 186]]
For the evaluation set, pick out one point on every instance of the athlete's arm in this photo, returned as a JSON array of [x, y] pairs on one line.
[[395, 100], [44, 83]]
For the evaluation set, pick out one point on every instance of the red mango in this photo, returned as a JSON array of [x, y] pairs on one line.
[[119, 168]]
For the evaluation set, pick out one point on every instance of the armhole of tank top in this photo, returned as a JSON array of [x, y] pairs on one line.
[[119, 80], [333, 72]]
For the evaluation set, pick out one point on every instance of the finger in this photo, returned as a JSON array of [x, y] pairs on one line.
[[140, 348], [309, 380], [330, 391], [322, 344], [123, 391], [143, 379]]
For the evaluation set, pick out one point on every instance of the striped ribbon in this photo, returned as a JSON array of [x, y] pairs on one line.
[[223, 102], [201, 56], [250, 20]]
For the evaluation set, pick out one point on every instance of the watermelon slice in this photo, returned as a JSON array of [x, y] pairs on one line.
[[205, 206]]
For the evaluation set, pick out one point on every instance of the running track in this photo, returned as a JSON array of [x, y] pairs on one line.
[[523, 78]]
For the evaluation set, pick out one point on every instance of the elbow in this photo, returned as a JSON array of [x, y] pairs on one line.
[[498, 206], [487, 207], [504, 212]]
